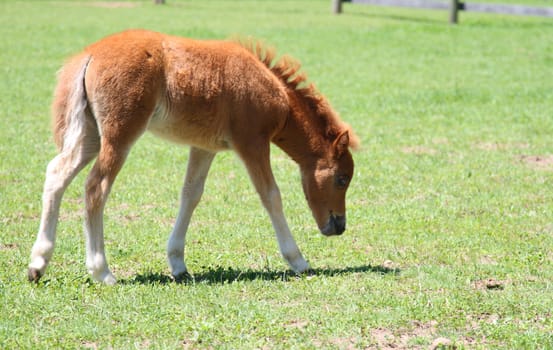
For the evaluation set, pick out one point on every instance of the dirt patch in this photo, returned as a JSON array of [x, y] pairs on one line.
[[339, 343], [8, 246], [124, 274], [89, 345], [386, 339], [497, 146], [537, 162], [298, 324], [442, 343], [423, 335], [344, 343], [489, 284]]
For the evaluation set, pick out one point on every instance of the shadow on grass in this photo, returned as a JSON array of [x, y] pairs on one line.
[[222, 275]]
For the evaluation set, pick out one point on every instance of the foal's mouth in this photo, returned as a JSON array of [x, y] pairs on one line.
[[335, 226]]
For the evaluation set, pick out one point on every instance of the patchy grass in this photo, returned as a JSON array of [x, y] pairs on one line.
[[449, 214]]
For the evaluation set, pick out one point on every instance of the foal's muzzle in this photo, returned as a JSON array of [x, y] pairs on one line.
[[335, 226]]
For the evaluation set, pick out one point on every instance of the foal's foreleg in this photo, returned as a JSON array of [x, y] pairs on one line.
[[199, 163], [258, 164]]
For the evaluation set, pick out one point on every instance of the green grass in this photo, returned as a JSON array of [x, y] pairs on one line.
[[450, 229]]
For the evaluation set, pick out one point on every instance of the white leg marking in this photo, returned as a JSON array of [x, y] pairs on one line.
[[288, 247], [96, 261], [54, 187], [196, 173], [59, 174], [98, 187]]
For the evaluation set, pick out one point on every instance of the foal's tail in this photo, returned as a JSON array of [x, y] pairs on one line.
[[70, 100]]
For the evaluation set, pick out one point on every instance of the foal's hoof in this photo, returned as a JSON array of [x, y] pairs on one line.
[[33, 275], [182, 277], [307, 273], [109, 280]]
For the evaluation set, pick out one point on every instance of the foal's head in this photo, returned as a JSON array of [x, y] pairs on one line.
[[327, 175], [325, 183]]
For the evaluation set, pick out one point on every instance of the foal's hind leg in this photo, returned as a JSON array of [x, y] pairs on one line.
[[199, 163], [81, 144], [98, 185]]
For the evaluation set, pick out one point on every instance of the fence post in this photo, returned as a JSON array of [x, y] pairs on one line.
[[336, 6], [453, 11]]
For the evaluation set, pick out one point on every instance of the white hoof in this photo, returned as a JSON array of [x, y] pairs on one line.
[[300, 265], [38, 264], [109, 280], [177, 265], [104, 276]]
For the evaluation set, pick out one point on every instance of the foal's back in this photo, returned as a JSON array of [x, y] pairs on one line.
[[209, 94]]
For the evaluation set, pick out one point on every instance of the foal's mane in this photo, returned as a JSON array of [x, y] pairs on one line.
[[288, 70]]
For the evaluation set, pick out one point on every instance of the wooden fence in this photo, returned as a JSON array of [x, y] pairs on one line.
[[453, 6]]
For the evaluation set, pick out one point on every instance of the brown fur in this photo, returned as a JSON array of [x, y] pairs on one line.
[[286, 69], [211, 95]]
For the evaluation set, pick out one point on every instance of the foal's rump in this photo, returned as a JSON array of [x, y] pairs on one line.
[[124, 82]]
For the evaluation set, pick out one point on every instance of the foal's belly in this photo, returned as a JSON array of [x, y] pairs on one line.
[[189, 129]]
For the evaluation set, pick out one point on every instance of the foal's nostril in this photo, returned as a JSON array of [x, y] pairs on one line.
[[339, 224]]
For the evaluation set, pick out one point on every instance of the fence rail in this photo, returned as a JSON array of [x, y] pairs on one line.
[[454, 6]]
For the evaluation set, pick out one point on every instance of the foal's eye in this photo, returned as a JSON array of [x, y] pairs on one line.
[[342, 181]]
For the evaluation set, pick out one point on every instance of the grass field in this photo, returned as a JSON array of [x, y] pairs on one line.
[[450, 224]]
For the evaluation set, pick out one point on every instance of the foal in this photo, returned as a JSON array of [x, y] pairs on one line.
[[211, 95]]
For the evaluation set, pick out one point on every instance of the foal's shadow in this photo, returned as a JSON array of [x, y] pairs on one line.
[[222, 275]]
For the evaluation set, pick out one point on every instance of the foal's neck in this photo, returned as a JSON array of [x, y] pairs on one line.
[[302, 138]]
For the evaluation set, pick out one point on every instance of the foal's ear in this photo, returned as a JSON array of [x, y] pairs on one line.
[[341, 144]]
